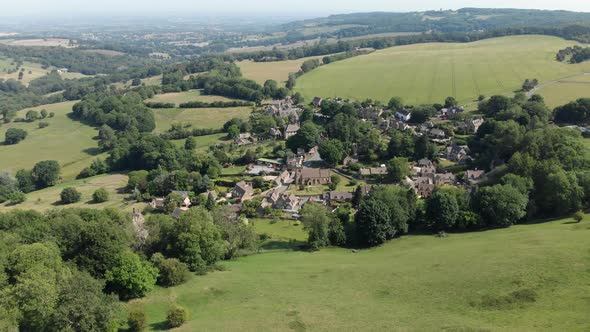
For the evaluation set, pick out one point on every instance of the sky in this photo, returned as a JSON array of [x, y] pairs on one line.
[[322, 7]]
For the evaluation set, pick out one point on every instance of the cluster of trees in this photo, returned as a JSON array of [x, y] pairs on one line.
[[529, 85], [120, 112], [575, 112], [15, 96], [554, 160], [219, 76], [67, 269], [14, 136], [88, 63], [44, 174], [152, 104], [575, 54]]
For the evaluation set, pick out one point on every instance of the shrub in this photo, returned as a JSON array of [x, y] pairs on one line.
[[176, 316], [17, 197], [51, 114], [579, 216], [136, 319], [172, 271], [70, 195], [43, 125], [14, 136], [100, 196]]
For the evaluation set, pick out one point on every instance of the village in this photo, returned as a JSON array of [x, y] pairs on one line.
[[305, 177]]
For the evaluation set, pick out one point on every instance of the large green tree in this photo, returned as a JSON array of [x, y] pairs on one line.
[[46, 173], [500, 205], [131, 276], [373, 222], [332, 151], [442, 210]]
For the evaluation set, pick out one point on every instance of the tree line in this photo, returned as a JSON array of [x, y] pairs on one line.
[[67, 269]]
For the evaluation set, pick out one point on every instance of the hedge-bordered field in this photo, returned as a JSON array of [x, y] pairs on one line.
[[428, 73]]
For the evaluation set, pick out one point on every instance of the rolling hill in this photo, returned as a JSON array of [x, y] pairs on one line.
[[525, 278], [69, 142], [428, 73]]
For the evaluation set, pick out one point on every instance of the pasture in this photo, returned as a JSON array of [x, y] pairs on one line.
[[213, 118], [69, 142], [31, 70], [526, 278], [197, 117], [49, 198], [185, 97], [428, 73], [45, 42], [564, 91], [276, 70], [204, 142]]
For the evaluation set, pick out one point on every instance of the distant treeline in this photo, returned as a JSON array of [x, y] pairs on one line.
[[575, 54], [75, 60]]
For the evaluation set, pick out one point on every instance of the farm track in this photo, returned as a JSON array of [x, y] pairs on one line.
[[559, 80]]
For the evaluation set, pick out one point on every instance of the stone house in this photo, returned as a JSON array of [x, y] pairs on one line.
[[242, 191], [473, 177], [291, 130], [313, 176]]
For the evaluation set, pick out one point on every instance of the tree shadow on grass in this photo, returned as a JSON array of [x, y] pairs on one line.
[[283, 245], [160, 326], [92, 151]]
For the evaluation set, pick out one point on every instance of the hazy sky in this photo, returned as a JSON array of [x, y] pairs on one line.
[[69, 7]]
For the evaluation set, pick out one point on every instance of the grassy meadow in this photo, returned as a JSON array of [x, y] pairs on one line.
[[198, 117], [46, 199], [564, 91], [428, 73], [35, 69], [276, 70], [69, 142], [526, 278], [185, 97]]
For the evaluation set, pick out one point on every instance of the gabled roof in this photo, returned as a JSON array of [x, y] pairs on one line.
[[292, 128]]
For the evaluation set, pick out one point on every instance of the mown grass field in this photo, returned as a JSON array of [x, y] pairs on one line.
[[69, 142], [198, 117], [276, 70], [46, 199], [428, 73], [525, 278], [562, 92], [185, 97]]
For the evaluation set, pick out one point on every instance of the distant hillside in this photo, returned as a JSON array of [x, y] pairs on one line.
[[462, 20]]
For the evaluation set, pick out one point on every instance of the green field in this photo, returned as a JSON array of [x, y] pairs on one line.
[[567, 90], [69, 142], [185, 97], [525, 278], [276, 70], [36, 70], [198, 117], [428, 73], [48, 198]]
